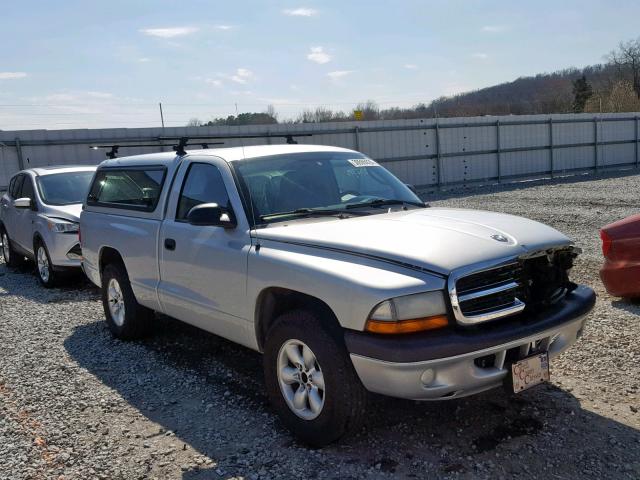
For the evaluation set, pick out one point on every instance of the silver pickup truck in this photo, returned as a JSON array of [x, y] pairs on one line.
[[324, 261]]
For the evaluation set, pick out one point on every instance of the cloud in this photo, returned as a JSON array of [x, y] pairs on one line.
[[100, 95], [493, 28], [242, 76], [338, 74], [223, 27], [318, 55], [411, 66], [213, 81], [12, 75], [300, 12], [480, 56], [144, 59], [170, 32]]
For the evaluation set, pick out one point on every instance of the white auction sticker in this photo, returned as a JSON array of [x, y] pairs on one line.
[[362, 162]]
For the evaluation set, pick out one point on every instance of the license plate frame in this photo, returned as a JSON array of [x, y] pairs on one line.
[[530, 371]]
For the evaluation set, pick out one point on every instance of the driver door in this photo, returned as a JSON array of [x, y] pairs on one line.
[[25, 217], [203, 268]]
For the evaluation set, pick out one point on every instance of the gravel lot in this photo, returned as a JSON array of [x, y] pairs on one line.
[[74, 403]]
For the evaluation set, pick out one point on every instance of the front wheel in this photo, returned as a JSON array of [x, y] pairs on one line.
[[44, 268], [126, 318], [311, 381]]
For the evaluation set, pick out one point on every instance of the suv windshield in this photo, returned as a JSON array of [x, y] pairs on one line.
[[64, 188], [282, 186]]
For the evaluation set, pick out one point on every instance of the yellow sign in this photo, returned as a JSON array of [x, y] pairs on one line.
[[357, 114]]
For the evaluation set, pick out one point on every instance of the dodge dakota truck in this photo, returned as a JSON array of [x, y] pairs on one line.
[[336, 271]]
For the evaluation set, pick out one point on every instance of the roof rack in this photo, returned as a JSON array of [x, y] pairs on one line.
[[179, 148]]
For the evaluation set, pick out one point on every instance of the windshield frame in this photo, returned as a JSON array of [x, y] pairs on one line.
[[254, 217], [44, 199]]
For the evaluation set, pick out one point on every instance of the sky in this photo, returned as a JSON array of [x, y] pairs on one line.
[[87, 64]]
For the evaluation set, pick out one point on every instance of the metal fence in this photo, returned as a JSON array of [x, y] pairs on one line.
[[424, 152]]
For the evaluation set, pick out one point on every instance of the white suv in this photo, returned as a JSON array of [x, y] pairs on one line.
[[39, 217]]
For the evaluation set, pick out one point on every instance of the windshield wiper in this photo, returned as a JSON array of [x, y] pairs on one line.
[[307, 212], [381, 202]]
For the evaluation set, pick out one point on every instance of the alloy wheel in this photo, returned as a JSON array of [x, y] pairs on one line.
[[301, 379], [116, 302], [43, 264]]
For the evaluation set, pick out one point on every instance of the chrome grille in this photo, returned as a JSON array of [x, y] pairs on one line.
[[488, 294]]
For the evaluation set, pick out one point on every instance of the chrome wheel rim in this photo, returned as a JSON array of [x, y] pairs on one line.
[[43, 264], [301, 379], [116, 302], [5, 247]]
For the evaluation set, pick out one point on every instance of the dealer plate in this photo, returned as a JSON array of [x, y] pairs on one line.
[[530, 372]]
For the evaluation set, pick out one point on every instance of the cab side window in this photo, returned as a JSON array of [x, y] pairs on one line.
[[202, 184], [133, 188]]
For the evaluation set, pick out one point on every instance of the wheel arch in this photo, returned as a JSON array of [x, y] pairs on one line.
[[274, 301], [109, 255]]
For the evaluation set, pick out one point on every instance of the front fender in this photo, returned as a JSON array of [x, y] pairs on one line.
[[350, 285]]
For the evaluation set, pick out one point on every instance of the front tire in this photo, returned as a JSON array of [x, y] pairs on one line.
[[311, 381], [12, 258], [44, 267], [126, 318]]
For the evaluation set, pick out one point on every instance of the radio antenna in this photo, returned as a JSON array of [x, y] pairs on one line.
[[253, 214]]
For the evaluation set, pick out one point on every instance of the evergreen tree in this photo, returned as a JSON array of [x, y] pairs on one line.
[[582, 91]]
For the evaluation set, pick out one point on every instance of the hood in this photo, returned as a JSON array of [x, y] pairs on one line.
[[68, 212], [436, 239]]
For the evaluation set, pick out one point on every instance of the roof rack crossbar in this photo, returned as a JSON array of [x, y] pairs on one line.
[[179, 148]]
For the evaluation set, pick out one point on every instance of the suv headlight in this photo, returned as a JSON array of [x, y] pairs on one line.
[[410, 313], [62, 226]]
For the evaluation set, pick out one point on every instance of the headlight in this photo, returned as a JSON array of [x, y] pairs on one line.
[[62, 226], [411, 313]]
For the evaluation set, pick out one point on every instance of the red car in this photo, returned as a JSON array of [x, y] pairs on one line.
[[621, 249]]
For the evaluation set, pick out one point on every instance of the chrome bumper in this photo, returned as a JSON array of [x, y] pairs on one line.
[[460, 375]]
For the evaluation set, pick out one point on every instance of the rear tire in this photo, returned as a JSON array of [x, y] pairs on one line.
[[44, 268], [12, 258], [126, 318], [335, 401]]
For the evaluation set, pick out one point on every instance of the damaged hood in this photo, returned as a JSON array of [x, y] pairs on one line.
[[436, 239], [67, 212]]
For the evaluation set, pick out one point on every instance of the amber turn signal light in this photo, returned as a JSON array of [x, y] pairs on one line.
[[406, 326]]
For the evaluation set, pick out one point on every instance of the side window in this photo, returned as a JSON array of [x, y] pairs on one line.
[[12, 182], [27, 188], [203, 184], [16, 188], [131, 188]]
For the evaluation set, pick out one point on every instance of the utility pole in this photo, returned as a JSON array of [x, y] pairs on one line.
[[161, 115]]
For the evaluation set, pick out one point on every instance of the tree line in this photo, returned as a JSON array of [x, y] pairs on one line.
[[613, 86]]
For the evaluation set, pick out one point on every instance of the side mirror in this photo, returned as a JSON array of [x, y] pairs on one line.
[[212, 215], [24, 202]]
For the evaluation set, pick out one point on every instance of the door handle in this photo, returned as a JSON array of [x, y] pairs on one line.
[[169, 244]]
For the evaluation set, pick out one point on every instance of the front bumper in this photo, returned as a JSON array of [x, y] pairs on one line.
[[455, 364], [64, 250]]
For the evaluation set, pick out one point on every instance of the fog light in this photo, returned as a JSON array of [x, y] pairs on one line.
[[428, 376]]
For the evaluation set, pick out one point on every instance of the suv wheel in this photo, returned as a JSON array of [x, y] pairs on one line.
[[11, 257], [126, 318], [44, 268], [311, 381]]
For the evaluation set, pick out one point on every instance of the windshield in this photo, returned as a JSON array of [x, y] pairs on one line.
[[64, 188], [285, 185]]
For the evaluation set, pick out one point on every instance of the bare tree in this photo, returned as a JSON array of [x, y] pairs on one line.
[[271, 111], [627, 60], [194, 122]]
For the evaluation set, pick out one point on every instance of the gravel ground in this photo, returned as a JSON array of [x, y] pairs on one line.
[[75, 403]]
